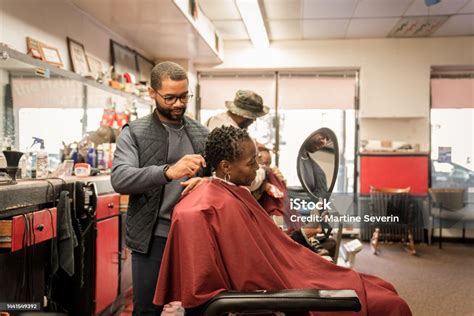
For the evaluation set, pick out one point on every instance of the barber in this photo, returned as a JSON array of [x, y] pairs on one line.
[[158, 158]]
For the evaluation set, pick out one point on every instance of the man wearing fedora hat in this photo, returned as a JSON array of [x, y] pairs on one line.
[[242, 112]]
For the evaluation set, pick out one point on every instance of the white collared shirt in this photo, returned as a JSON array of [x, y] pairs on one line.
[[222, 119]]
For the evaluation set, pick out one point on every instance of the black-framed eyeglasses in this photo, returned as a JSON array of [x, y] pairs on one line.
[[171, 99]]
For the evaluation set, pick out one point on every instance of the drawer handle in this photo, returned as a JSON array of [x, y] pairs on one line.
[[110, 205], [40, 227]]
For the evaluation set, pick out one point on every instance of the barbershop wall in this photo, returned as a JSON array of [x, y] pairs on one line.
[[51, 21], [394, 75]]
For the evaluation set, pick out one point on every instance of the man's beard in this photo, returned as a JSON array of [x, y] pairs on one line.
[[168, 113], [245, 123]]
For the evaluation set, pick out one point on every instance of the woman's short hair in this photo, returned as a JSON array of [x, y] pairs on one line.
[[224, 143]]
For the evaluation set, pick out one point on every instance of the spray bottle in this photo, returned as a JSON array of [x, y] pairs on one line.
[[41, 159]]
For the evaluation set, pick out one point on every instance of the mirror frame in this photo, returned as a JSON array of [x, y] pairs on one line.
[[333, 137]]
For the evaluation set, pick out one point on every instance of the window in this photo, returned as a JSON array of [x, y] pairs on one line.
[[452, 133], [306, 102], [452, 148]]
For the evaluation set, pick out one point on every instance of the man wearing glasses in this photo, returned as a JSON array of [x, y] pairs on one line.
[[158, 158]]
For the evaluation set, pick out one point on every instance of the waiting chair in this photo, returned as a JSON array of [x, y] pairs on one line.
[[386, 202], [450, 202]]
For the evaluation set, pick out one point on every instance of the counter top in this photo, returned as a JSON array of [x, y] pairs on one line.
[[32, 192]]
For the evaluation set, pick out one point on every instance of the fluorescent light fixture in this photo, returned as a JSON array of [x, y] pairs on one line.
[[253, 20]]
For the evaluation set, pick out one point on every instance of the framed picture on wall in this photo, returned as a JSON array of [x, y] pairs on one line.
[[77, 55], [50, 55], [95, 66], [144, 68], [123, 59], [193, 8], [33, 47]]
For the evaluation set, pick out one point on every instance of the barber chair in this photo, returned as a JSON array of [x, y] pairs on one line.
[[290, 302], [392, 201], [321, 148]]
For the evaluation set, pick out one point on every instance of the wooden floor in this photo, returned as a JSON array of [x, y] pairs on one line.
[[127, 310]]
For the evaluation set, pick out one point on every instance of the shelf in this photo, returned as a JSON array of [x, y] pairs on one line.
[[203, 28], [17, 61]]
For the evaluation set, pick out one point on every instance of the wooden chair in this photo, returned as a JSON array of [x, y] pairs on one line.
[[395, 202]]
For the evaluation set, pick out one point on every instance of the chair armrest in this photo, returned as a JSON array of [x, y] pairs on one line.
[[300, 300]]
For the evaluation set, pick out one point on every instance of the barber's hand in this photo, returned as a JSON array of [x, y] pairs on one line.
[[191, 184], [273, 191], [185, 167]]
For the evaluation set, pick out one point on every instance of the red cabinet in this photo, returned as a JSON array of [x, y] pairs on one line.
[[394, 171], [33, 228], [107, 205], [107, 251], [107, 263]]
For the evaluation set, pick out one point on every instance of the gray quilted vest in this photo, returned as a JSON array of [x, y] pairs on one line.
[[151, 138]]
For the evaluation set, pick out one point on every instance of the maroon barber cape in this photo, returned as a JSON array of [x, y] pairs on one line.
[[274, 206], [279, 206], [222, 239]]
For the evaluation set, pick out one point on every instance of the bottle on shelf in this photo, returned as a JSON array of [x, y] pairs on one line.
[[41, 161]]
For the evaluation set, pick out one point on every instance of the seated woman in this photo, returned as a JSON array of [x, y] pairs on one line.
[[222, 239], [279, 206]]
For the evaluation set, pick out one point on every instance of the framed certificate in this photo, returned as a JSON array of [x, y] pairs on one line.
[[144, 69], [123, 59], [50, 55], [77, 55]]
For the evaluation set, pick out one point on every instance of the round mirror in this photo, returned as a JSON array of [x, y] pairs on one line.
[[317, 164]]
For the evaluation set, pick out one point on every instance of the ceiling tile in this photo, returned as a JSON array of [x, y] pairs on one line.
[[419, 8], [370, 28], [285, 30], [321, 9], [220, 9], [381, 8], [324, 29], [231, 30], [457, 25], [468, 8], [282, 9]]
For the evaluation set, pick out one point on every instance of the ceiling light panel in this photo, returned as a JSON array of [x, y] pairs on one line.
[[253, 20]]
